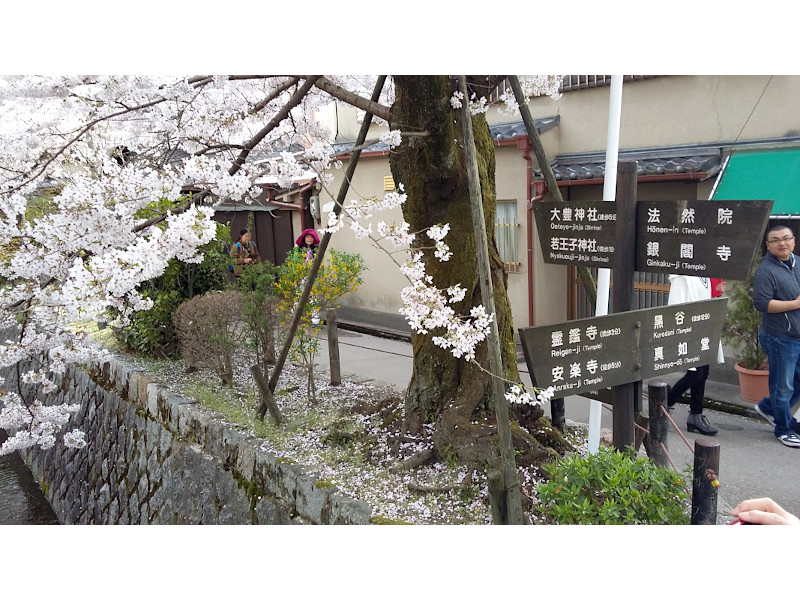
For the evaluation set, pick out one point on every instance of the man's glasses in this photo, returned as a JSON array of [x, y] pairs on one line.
[[786, 238]]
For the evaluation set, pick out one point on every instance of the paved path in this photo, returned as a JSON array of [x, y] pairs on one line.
[[752, 461]]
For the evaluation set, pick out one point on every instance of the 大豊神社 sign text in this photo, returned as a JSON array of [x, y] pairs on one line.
[[577, 232]]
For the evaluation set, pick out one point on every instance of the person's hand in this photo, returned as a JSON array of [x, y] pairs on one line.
[[764, 511], [247, 261]]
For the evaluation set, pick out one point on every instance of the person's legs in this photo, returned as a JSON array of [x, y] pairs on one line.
[[784, 354], [683, 384], [793, 423], [696, 420], [698, 389]]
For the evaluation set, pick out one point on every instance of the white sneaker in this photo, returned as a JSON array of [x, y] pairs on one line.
[[790, 439]]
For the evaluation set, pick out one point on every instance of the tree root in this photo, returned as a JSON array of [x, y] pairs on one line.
[[418, 459]]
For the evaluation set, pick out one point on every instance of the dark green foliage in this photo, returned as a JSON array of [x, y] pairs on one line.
[[152, 332], [612, 488], [259, 301], [743, 323]]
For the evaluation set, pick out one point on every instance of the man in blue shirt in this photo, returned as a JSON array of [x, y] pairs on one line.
[[776, 295]]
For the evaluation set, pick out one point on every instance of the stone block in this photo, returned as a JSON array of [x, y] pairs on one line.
[[153, 468], [312, 500], [246, 457], [173, 413], [113, 512], [153, 389], [269, 513], [133, 508], [347, 511], [152, 440], [214, 443], [165, 442], [187, 422]]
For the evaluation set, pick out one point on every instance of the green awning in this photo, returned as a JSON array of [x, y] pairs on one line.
[[763, 175]]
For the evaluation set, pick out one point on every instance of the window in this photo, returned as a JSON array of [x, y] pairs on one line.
[[505, 234]]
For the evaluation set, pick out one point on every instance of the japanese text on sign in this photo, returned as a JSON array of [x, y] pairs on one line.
[[589, 354], [577, 232], [712, 238]]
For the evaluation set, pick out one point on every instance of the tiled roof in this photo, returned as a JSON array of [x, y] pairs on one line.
[[501, 131], [661, 161]]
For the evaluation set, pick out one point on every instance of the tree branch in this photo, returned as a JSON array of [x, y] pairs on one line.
[[296, 98], [379, 110]]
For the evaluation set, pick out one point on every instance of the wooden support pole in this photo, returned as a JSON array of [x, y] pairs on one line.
[[557, 409], [547, 172], [658, 425], [320, 254], [623, 396], [508, 465], [332, 323], [267, 399], [705, 482]]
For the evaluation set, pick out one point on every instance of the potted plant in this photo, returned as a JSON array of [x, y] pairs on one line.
[[741, 334]]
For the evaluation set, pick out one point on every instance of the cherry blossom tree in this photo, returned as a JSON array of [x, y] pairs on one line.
[[129, 170]]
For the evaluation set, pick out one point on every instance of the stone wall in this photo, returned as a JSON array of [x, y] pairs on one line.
[[154, 457]]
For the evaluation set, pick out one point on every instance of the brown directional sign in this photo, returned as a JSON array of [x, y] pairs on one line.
[[581, 356], [686, 237], [577, 232], [702, 238]]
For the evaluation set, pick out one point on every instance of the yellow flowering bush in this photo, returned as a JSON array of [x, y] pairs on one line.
[[339, 274]]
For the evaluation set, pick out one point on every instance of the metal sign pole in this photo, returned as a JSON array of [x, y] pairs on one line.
[[603, 275]]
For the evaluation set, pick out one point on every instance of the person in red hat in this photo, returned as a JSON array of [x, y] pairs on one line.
[[307, 242]]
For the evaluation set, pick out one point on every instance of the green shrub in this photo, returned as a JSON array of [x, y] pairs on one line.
[[152, 332], [257, 285], [612, 488], [339, 274]]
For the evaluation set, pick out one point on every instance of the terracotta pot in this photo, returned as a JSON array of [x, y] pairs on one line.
[[753, 384]]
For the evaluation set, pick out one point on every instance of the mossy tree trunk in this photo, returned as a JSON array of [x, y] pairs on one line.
[[452, 393]]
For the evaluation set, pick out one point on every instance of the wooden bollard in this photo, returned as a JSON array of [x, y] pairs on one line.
[[705, 482], [658, 423], [333, 346], [558, 414], [497, 497]]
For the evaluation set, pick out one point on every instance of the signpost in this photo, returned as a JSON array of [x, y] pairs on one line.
[[585, 355], [685, 237], [702, 238]]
